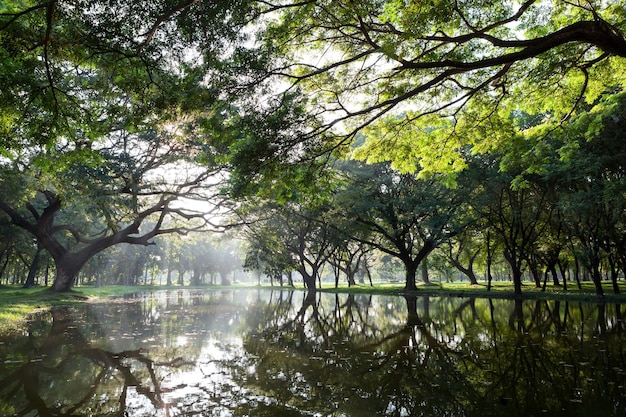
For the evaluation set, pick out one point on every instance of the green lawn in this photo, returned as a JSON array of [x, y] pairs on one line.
[[498, 289]]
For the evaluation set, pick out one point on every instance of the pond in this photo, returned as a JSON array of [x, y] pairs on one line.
[[289, 353]]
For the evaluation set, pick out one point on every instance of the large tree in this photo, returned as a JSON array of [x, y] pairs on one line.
[[403, 216], [99, 102], [137, 188]]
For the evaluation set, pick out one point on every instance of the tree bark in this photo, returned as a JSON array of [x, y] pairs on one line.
[[34, 268], [411, 272], [66, 273]]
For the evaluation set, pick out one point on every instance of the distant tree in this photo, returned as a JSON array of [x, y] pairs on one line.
[[293, 236]]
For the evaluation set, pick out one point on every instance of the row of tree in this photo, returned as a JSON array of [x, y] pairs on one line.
[[551, 205], [560, 217]]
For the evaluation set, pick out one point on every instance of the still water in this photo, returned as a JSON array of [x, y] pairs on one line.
[[272, 353]]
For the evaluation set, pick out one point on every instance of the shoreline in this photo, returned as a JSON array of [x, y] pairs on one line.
[[16, 303]]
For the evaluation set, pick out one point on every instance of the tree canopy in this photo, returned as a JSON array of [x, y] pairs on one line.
[[423, 79]]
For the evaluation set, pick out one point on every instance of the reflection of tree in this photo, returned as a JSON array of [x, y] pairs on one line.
[[446, 356], [310, 353], [47, 385], [547, 358]]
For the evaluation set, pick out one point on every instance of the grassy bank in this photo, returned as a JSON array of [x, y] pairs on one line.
[[17, 303], [587, 291]]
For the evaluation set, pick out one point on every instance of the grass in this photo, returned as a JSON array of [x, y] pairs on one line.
[[16, 303], [499, 289]]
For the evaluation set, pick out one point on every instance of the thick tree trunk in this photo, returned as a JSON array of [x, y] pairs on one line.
[[517, 281], [64, 279], [411, 272], [425, 277], [67, 269], [309, 279]]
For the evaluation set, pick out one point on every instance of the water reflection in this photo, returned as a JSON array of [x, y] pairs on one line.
[[264, 353]]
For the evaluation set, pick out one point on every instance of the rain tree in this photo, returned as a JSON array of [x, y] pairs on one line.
[[106, 117], [293, 236], [137, 189], [404, 216]]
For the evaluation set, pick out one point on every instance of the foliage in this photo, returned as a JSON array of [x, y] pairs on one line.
[[422, 80]]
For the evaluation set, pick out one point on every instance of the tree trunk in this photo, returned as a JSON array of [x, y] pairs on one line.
[[351, 274], [555, 275], [369, 275], [168, 281], [489, 262], [224, 279], [411, 272], [596, 276], [563, 274], [195, 278], [577, 273], [309, 279], [34, 268], [468, 272], [516, 269], [534, 270], [425, 277], [64, 278], [614, 273]]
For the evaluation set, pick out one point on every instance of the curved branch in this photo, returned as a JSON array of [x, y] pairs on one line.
[[150, 34], [597, 33]]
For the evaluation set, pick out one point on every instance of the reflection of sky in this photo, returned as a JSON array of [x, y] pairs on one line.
[[204, 386]]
